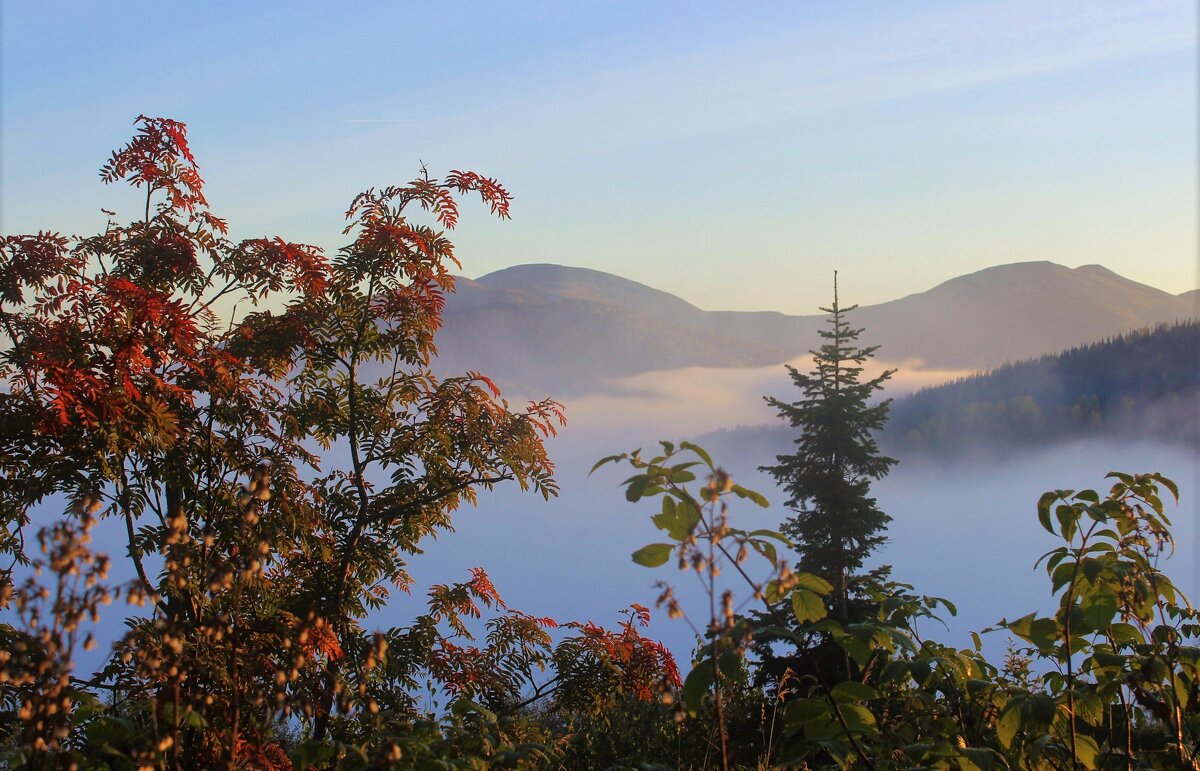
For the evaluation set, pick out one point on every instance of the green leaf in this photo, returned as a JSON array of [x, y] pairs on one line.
[[1055, 556], [768, 632], [606, 460], [194, 719], [1093, 567], [1068, 520], [1020, 626], [636, 488], [1041, 711], [698, 681], [801, 711], [1090, 707], [1043, 509], [1126, 634], [770, 534], [1099, 607], [807, 605], [1008, 723], [1167, 483], [654, 554], [682, 476], [851, 691], [950, 607], [313, 753], [1042, 632], [1182, 690], [1062, 575], [813, 583], [920, 670], [861, 642], [700, 452], [976, 759], [689, 513], [1086, 750], [767, 549], [670, 521], [758, 498], [731, 665], [859, 719]]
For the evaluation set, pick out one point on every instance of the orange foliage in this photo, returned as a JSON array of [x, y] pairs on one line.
[[642, 665]]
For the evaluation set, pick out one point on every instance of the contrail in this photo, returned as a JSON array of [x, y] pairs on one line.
[[377, 120]]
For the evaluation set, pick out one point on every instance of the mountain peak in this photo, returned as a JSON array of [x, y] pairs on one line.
[[1041, 277], [538, 271], [549, 280], [562, 329]]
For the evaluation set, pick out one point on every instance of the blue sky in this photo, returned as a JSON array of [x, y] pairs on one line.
[[733, 155]]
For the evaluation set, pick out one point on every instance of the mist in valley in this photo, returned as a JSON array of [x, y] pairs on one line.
[[283, 470], [962, 528]]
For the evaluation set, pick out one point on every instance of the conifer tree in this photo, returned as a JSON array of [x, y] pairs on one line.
[[836, 523]]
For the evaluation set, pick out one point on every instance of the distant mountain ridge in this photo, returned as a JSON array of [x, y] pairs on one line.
[[561, 330], [532, 328], [1013, 312]]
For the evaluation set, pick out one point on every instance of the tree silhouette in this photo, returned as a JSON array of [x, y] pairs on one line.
[[272, 472], [835, 523]]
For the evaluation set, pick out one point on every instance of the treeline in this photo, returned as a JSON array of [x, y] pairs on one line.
[[1144, 383]]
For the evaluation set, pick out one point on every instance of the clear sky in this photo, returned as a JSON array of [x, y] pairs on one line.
[[734, 154]]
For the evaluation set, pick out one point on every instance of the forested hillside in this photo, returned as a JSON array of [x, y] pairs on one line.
[[1145, 383], [1141, 385]]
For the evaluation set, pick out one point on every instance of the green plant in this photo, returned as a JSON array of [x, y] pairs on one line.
[[1121, 691], [703, 541], [1122, 643]]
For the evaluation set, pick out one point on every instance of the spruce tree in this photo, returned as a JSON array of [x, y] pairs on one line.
[[836, 523]]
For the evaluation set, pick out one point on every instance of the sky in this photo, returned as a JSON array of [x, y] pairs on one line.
[[732, 154]]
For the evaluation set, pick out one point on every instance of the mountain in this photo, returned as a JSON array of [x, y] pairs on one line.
[[1013, 312], [584, 285], [564, 331], [560, 330], [983, 319], [1142, 384]]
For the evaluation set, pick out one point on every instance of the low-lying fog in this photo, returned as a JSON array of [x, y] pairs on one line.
[[695, 400], [964, 530], [967, 532]]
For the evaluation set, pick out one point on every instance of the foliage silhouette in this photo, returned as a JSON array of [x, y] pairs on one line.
[[262, 421]]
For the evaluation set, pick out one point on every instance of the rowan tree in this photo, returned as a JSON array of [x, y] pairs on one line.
[[272, 468]]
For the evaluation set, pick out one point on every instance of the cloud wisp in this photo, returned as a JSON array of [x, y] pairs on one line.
[[695, 400]]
